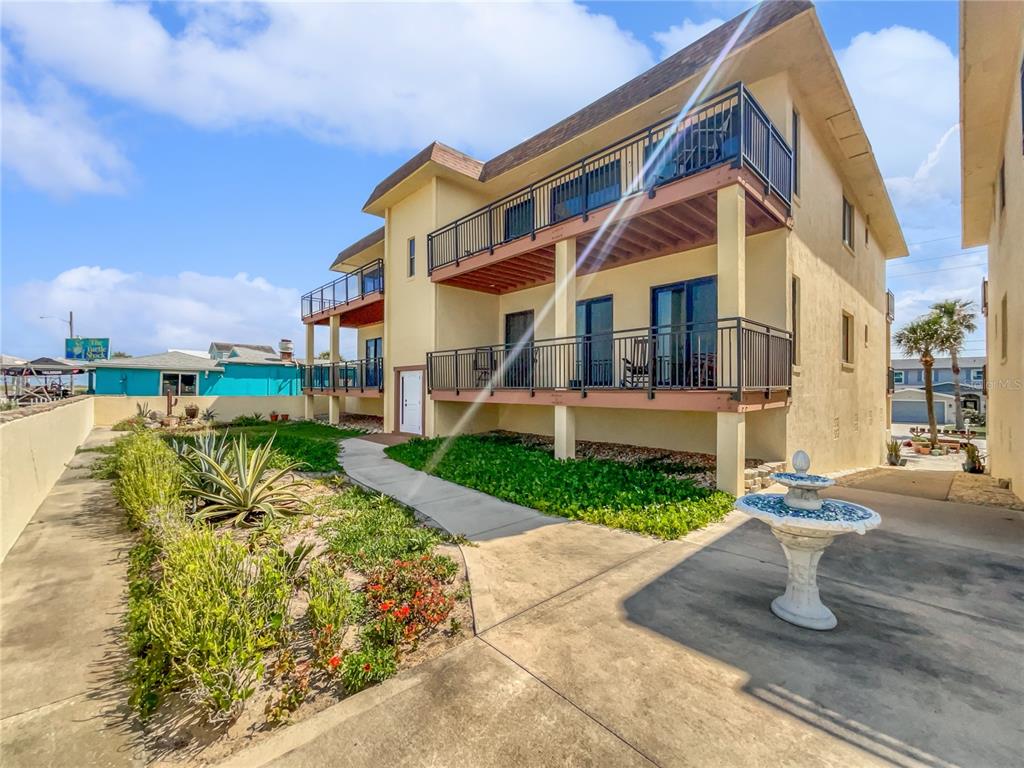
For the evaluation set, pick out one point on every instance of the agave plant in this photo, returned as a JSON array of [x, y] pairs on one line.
[[209, 414], [143, 411], [243, 488]]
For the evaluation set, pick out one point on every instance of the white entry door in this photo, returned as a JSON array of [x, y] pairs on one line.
[[411, 418]]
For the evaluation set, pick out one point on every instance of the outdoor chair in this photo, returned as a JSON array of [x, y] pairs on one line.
[[483, 365], [636, 369]]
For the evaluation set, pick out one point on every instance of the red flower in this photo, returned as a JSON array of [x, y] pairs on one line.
[[334, 661], [387, 605], [375, 587], [402, 612], [367, 667]]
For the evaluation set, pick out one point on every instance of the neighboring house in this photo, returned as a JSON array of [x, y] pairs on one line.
[[908, 373], [909, 407], [243, 369], [710, 283], [992, 150]]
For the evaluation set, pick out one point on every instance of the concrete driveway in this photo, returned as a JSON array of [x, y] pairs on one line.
[[604, 649]]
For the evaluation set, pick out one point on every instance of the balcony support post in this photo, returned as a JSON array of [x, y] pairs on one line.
[[335, 406], [565, 326], [731, 242], [307, 374], [731, 452]]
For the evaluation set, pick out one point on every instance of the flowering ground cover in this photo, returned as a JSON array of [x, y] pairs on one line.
[[637, 497]]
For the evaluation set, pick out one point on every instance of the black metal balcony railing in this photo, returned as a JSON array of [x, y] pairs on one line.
[[890, 382], [729, 127], [348, 375], [368, 279], [732, 354], [890, 306]]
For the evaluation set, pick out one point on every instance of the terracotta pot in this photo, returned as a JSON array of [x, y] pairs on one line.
[[191, 411], [273, 417], [284, 417]]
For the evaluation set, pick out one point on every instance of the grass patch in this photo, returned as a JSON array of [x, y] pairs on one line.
[[641, 499], [374, 530], [312, 444]]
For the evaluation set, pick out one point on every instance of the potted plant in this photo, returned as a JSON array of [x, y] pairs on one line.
[[284, 417], [973, 462], [892, 453], [273, 415], [191, 411]]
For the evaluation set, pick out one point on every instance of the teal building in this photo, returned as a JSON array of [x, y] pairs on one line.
[[229, 369]]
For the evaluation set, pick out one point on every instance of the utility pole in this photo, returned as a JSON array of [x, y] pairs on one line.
[[71, 324]]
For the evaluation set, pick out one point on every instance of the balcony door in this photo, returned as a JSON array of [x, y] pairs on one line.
[[685, 316], [374, 353], [594, 359], [519, 349]]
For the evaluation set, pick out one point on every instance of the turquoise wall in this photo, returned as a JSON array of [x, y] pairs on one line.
[[127, 381], [237, 379], [253, 380]]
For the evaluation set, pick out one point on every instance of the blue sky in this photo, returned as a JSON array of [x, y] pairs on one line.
[[193, 182]]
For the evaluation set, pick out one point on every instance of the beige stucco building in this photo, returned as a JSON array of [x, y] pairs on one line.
[[695, 261], [992, 146]]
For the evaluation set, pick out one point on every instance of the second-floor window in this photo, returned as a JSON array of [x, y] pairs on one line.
[[412, 256], [847, 341], [796, 152], [977, 375], [897, 377], [847, 224]]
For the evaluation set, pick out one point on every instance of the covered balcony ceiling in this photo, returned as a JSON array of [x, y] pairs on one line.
[[650, 194], [366, 310], [356, 299], [670, 222]]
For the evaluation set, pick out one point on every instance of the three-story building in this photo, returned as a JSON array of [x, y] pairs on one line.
[[695, 261]]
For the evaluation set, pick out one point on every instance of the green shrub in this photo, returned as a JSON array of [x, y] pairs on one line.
[[374, 530], [129, 425], [331, 602], [370, 664], [215, 611], [610, 493], [149, 476], [248, 421]]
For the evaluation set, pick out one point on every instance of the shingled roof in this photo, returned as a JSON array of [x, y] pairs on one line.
[[676, 68], [359, 246]]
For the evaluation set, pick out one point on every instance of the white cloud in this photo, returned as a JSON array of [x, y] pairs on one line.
[[679, 36], [151, 313], [52, 143], [382, 76]]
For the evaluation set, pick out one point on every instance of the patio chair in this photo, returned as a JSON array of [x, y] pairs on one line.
[[483, 365], [636, 369]]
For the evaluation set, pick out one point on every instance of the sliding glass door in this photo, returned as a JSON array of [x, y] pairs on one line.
[[685, 316], [594, 359]]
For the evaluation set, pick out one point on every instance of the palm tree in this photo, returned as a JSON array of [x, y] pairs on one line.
[[922, 338], [958, 317]]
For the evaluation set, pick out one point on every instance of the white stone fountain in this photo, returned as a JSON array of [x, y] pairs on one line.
[[805, 525]]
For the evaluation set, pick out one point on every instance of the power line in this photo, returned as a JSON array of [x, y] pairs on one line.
[[969, 252], [936, 240], [944, 269]]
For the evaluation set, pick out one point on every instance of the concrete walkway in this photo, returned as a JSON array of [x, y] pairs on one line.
[[62, 702], [601, 648]]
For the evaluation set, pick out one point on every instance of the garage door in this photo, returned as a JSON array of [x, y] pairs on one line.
[[916, 412]]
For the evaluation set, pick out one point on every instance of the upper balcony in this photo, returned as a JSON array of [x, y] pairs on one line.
[[357, 298], [658, 185]]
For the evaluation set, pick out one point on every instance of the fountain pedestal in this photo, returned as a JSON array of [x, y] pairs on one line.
[[805, 525]]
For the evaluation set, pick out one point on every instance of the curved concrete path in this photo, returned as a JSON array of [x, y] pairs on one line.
[[602, 648]]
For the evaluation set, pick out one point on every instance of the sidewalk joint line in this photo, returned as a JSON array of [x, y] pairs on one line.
[[575, 706]]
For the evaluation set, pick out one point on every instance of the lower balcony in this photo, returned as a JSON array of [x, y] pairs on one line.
[[733, 364], [354, 378]]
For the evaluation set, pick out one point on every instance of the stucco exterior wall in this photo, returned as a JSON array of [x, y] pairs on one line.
[[34, 451], [111, 409], [1006, 281], [838, 413]]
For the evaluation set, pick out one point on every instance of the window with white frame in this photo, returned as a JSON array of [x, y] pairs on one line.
[[897, 377], [977, 375], [178, 383]]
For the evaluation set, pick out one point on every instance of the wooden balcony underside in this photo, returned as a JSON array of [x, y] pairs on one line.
[[365, 310], [342, 392], [663, 400], [680, 216]]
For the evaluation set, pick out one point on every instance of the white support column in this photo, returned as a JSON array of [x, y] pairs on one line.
[[565, 325], [731, 452], [731, 448], [732, 252], [308, 402], [335, 404]]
